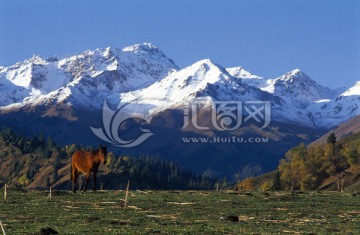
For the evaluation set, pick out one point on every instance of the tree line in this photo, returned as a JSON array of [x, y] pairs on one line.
[[306, 167], [147, 172]]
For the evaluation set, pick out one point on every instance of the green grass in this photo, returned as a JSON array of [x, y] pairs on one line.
[[181, 212]]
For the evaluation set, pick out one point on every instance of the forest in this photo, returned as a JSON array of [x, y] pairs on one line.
[[306, 167], [25, 160]]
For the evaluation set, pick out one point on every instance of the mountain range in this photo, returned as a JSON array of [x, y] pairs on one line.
[[63, 97], [143, 76]]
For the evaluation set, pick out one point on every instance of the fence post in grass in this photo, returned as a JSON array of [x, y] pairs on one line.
[[127, 192], [5, 193], [2, 228], [49, 196]]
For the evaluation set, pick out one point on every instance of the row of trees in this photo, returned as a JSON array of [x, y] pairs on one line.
[[152, 173], [305, 168], [36, 144]]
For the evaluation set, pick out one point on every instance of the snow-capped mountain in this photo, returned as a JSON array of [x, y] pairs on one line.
[[340, 109], [352, 91], [149, 82], [297, 89], [292, 86], [293, 95], [246, 77], [85, 78], [240, 72], [204, 79]]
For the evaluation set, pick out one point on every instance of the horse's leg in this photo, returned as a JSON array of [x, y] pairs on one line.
[[87, 180], [77, 173], [94, 186], [74, 175]]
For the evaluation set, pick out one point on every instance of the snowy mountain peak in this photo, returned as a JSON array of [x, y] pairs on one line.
[[205, 61], [36, 59], [86, 77], [355, 90], [298, 89], [142, 47], [296, 75], [205, 72], [240, 72], [204, 78], [295, 71], [110, 52], [205, 65]]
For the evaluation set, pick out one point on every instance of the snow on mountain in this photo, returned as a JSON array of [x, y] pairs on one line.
[[355, 90], [246, 77], [297, 89], [240, 72], [35, 73], [143, 78], [133, 67], [299, 97], [204, 79], [85, 78], [11, 93], [31, 78], [338, 110]]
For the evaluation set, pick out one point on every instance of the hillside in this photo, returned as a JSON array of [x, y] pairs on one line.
[[345, 129], [349, 177], [334, 165], [39, 163]]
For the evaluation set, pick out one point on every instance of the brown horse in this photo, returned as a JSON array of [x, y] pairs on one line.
[[87, 162]]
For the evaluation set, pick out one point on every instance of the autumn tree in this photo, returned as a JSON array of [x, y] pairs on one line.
[[266, 186], [292, 167], [246, 184], [351, 154]]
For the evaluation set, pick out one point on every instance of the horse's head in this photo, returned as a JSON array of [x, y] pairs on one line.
[[103, 153]]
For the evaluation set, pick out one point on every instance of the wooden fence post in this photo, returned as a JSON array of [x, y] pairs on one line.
[[49, 196], [2, 228], [5, 193], [127, 192]]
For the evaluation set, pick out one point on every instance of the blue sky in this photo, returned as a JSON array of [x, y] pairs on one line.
[[268, 38]]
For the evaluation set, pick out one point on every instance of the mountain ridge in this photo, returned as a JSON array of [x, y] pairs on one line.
[[142, 75]]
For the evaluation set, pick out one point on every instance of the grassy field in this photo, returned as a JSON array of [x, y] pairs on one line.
[[181, 212]]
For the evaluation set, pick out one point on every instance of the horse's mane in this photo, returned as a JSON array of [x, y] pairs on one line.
[[94, 152]]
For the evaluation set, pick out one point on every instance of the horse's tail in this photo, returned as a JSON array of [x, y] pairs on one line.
[[71, 173]]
